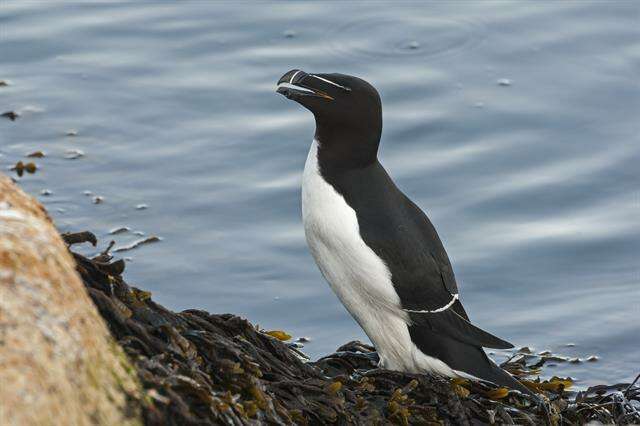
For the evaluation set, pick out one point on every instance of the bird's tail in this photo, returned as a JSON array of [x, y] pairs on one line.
[[500, 377]]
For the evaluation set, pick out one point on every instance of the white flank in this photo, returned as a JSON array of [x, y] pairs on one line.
[[357, 275]]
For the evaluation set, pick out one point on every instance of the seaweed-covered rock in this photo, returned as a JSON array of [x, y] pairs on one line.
[[202, 368], [59, 365], [58, 362]]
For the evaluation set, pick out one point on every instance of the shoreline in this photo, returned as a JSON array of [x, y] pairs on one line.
[[194, 367], [259, 377]]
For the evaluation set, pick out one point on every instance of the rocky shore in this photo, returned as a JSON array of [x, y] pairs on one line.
[[59, 364], [78, 345]]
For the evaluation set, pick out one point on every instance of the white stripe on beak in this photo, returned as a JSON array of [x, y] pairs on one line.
[[293, 76], [329, 81], [294, 87]]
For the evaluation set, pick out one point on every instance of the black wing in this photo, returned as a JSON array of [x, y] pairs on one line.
[[448, 319], [402, 235]]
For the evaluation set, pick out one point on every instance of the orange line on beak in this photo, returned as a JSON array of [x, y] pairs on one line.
[[324, 95]]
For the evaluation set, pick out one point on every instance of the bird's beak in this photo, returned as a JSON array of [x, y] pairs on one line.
[[295, 84]]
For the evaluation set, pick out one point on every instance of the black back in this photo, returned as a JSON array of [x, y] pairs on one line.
[[404, 238], [398, 231], [348, 133], [348, 130]]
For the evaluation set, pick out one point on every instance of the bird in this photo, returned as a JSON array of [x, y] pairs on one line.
[[377, 249]]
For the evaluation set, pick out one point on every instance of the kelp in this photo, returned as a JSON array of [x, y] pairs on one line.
[[20, 168], [11, 115], [199, 368]]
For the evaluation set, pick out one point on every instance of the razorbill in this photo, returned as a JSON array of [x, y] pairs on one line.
[[379, 252]]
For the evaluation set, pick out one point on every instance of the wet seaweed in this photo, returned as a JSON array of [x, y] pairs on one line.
[[20, 168], [36, 154], [79, 237], [199, 368], [11, 115]]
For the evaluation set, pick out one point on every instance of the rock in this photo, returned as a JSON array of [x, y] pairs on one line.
[[57, 358], [200, 368]]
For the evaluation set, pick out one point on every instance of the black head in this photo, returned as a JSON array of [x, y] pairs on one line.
[[347, 110]]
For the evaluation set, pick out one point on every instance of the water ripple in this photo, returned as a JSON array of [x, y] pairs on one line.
[[405, 36]]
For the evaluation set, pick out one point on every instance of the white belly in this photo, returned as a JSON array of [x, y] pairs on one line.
[[357, 275]]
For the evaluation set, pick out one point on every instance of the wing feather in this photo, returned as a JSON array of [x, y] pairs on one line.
[[451, 324], [402, 235]]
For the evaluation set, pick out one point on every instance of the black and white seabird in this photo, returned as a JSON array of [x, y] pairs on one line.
[[379, 252]]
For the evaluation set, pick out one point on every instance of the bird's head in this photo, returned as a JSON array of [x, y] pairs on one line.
[[347, 110]]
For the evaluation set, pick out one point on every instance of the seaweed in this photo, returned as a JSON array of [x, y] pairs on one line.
[[200, 368], [11, 115], [21, 167], [36, 154]]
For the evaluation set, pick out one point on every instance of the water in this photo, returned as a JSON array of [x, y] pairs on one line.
[[514, 125]]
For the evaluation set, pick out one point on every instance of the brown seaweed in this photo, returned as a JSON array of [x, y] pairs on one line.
[[199, 368], [21, 167], [11, 115]]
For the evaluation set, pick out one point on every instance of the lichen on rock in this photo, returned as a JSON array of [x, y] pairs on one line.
[[58, 362]]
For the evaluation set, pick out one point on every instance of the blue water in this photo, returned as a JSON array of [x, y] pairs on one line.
[[513, 124]]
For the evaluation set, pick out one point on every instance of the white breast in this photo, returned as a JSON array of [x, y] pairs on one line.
[[356, 274]]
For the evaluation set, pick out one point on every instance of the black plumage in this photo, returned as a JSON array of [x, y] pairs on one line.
[[402, 235], [348, 130]]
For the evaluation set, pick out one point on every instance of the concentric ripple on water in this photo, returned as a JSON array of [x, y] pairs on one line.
[[402, 37]]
